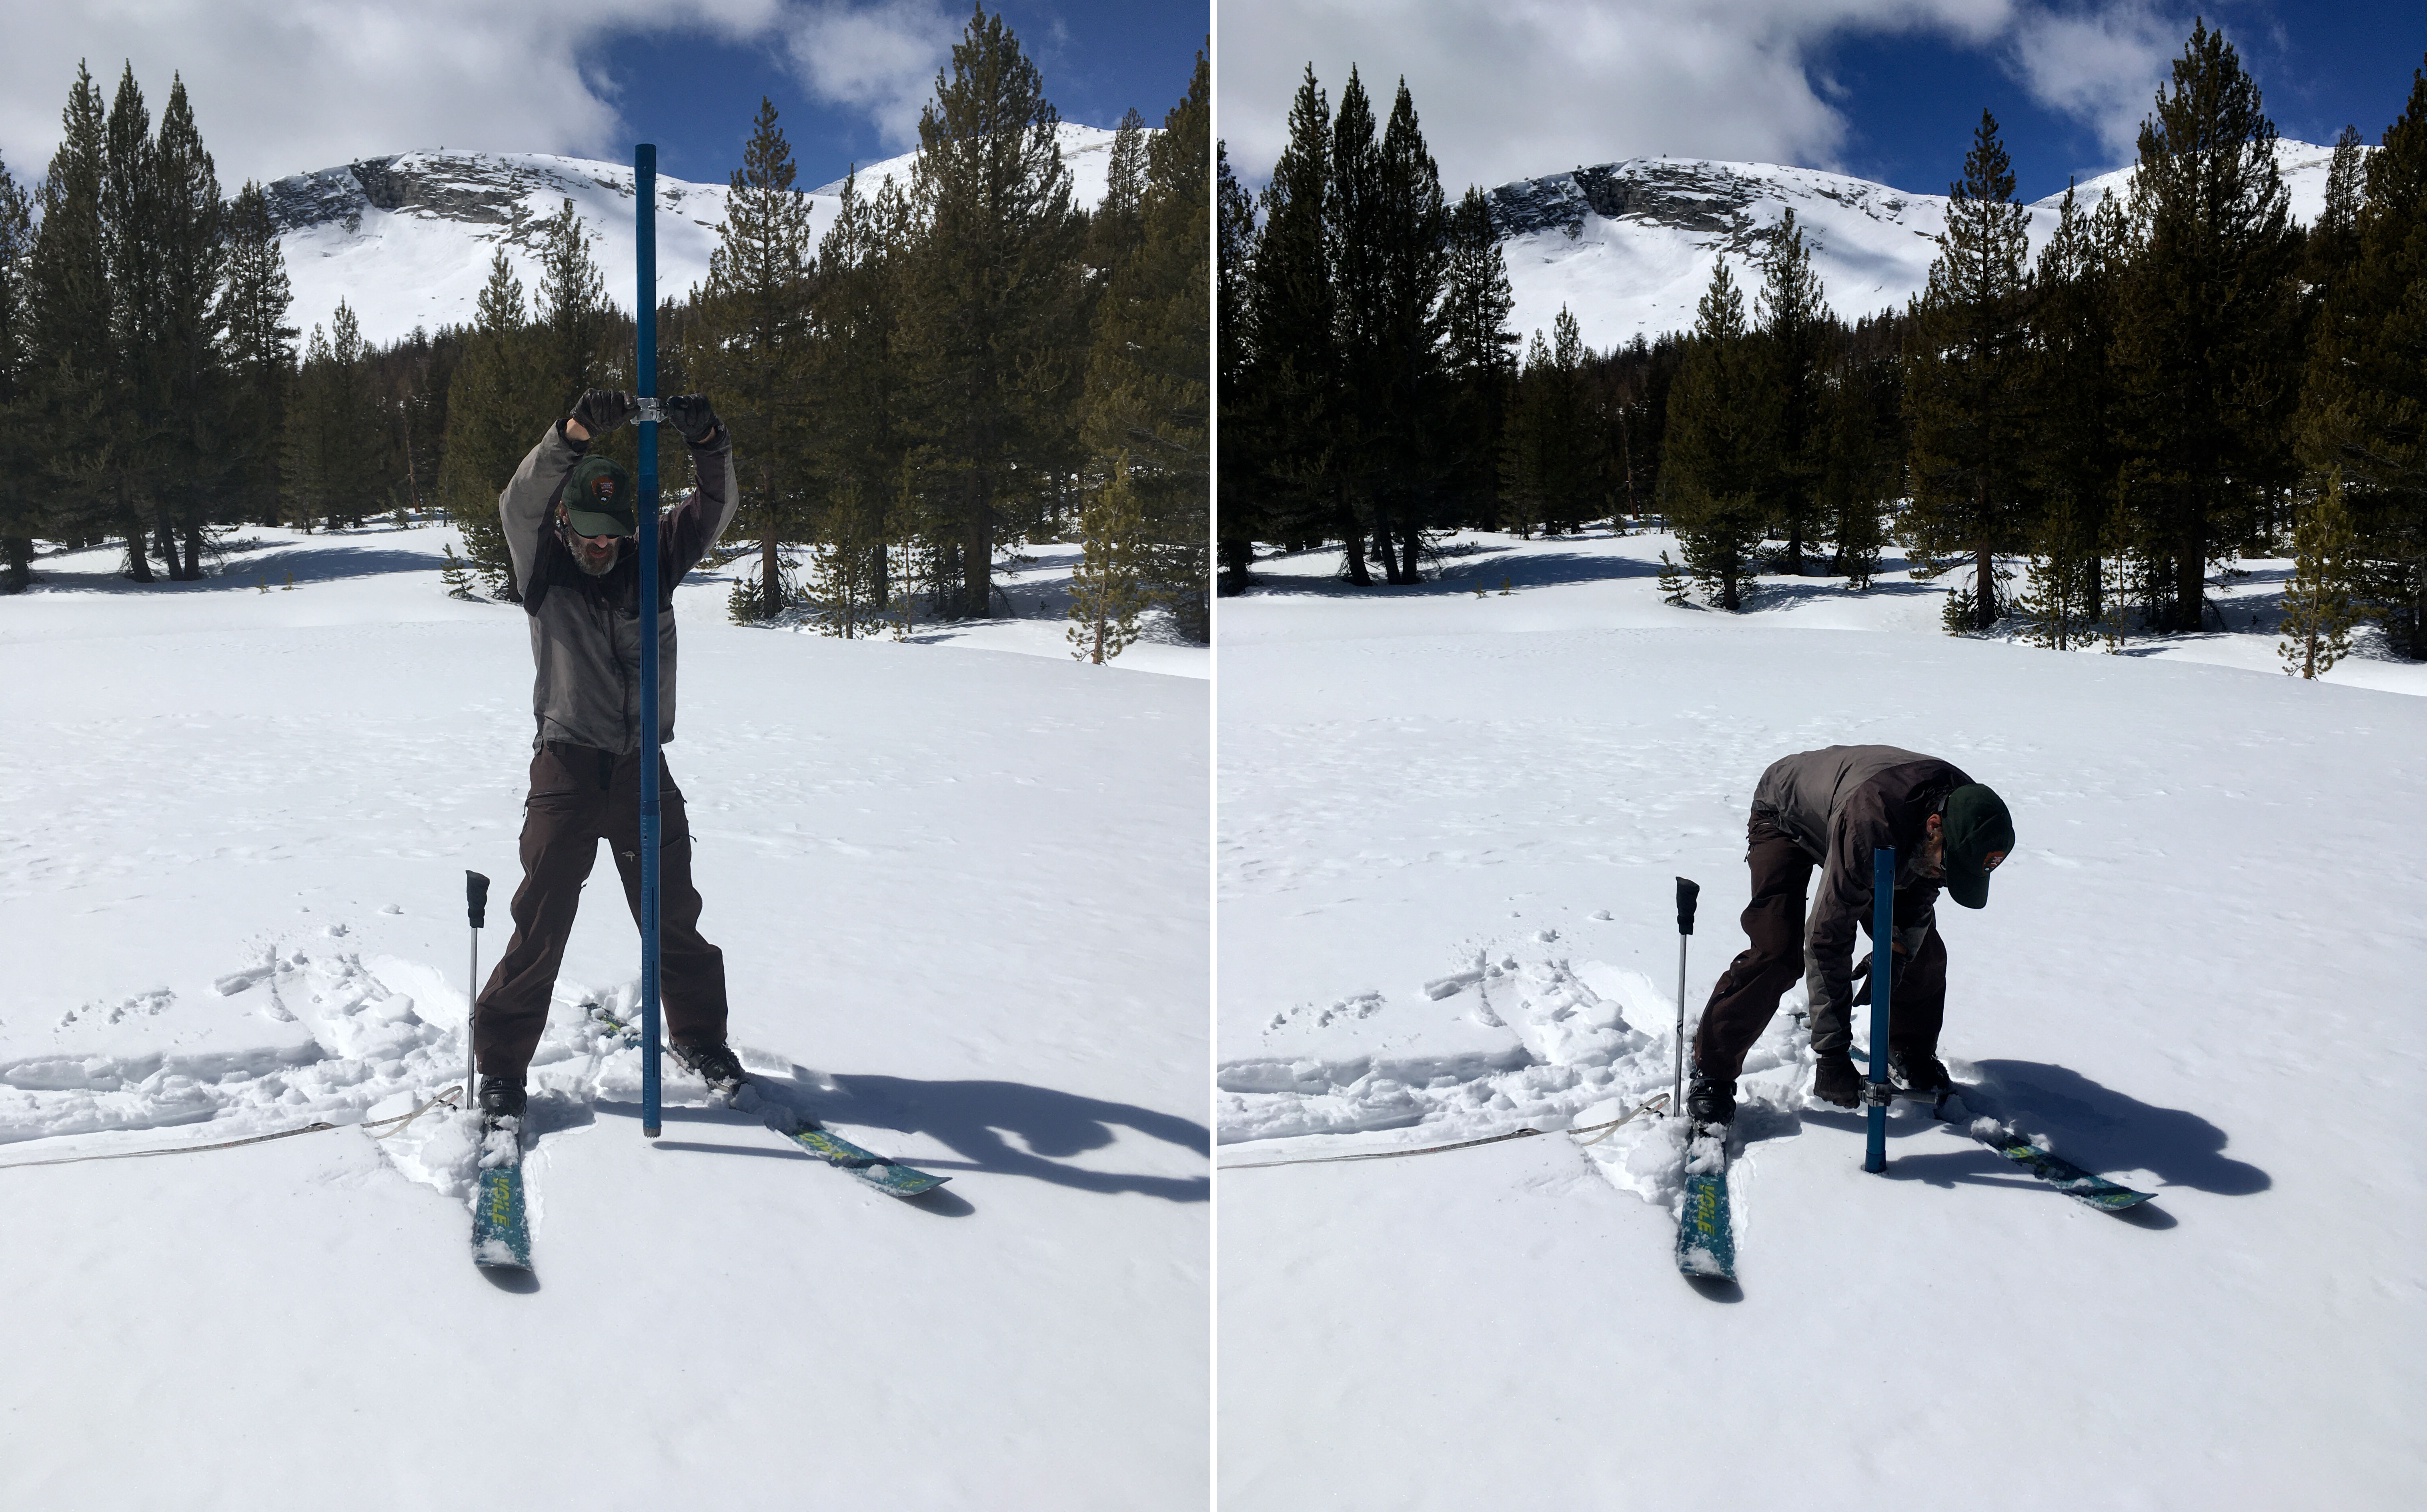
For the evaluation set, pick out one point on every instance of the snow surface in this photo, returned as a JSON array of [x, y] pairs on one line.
[[961, 894], [423, 263], [1642, 273], [1449, 826]]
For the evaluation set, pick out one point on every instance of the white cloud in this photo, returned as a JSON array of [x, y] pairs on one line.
[[285, 86], [2100, 66], [1531, 87], [879, 58]]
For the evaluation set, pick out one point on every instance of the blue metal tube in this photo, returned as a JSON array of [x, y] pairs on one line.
[[644, 230], [1875, 1154]]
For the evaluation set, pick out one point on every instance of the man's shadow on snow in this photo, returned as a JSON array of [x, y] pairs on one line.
[[2095, 1126], [1045, 1127]]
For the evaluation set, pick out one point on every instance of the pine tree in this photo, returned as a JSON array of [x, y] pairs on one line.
[[2206, 333], [1479, 357], [199, 460], [2071, 451], [1280, 443], [1409, 397], [1858, 470], [1108, 587], [1720, 423], [992, 312], [1525, 445], [2364, 407], [756, 301], [1117, 223], [492, 421], [574, 321], [1239, 513], [2317, 611], [857, 442], [307, 469], [70, 360], [1352, 238], [253, 301], [1145, 394], [1964, 375], [20, 510], [1795, 323], [131, 457], [1567, 441]]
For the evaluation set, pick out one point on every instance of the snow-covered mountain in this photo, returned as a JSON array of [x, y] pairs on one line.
[[1629, 247], [406, 239]]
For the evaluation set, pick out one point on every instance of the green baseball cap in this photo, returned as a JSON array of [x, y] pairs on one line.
[[1979, 834], [598, 498]]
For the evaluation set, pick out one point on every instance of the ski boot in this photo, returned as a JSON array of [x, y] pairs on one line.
[[1709, 1103], [502, 1100], [713, 1062], [1918, 1071]]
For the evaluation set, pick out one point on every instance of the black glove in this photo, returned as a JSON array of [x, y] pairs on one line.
[[602, 410], [690, 414]]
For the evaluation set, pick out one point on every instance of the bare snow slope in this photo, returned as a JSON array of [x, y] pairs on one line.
[[406, 240], [1629, 247], [1450, 821], [961, 897]]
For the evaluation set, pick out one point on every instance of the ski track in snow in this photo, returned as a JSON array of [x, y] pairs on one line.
[[362, 1049], [1520, 1035]]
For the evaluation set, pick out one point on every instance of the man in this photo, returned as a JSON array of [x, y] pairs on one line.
[[570, 520], [1831, 808]]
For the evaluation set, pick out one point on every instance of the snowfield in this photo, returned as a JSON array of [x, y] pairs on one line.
[[1449, 829], [961, 893]]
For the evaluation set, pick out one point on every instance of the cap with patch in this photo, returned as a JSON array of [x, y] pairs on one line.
[[1979, 834], [598, 498]]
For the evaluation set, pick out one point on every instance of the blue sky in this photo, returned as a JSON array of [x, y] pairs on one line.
[[1912, 101], [1888, 90], [697, 98]]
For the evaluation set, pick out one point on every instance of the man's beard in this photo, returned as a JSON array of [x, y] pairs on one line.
[[603, 564]]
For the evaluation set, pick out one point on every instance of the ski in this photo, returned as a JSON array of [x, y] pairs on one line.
[[1706, 1244], [2067, 1177], [2086, 1187], [500, 1219], [888, 1175]]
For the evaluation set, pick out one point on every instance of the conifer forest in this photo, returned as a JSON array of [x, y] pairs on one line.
[[961, 365], [2182, 376]]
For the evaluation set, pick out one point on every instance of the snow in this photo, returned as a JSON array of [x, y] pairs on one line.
[[419, 265], [961, 893], [2198, 976], [1643, 272]]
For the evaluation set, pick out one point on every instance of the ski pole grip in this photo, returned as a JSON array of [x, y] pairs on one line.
[[476, 896], [1686, 893]]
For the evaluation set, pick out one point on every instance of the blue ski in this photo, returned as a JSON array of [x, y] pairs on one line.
[[1706, 1243], [500, 1221], [2067, 1177], [889, 1177]]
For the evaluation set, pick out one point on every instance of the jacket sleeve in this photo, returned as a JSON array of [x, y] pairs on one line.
[[1842, 902], [699, 520], [522, 509]]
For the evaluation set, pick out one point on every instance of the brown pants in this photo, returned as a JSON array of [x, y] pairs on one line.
[[579, 797], [1746, 996]]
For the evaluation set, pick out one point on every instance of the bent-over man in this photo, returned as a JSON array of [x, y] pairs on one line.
[[1831, 808]]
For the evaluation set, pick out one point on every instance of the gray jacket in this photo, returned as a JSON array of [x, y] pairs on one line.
[[1838, 804], [585, 631]]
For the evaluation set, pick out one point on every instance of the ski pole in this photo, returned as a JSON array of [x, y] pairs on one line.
[[475, 903], [1686, 893], [644, 229], [1875, 1153]]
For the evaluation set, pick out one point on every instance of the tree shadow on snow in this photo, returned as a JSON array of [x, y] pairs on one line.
[[272, 567]]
